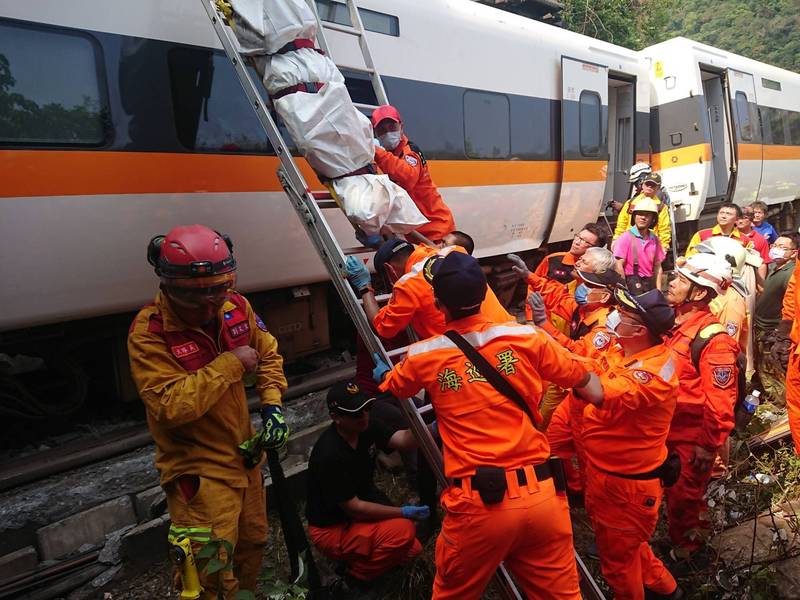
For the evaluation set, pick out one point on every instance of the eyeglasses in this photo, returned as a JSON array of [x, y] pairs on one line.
[[583, 241], [199, 297]]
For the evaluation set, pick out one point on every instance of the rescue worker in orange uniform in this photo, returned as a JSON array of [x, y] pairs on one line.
[[624, 437], [188, 353], [707, 395], [785, 354], [564, 431], [404, 163], [349, 518], [503, 504], [570, 307], [412, 295], [560, 266]]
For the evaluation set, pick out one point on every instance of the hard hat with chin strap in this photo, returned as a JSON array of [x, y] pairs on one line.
[[638, 170], [707, 270], [645, 205]]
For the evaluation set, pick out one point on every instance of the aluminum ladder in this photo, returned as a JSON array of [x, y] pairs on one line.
[[310, 206]]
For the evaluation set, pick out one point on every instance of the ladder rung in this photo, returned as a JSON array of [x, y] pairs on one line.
[[365, 106], [397, 351], [356, 250], [323, 195], [327, 204], [348, 29], [425, 409], [366, 70], [379, 298]]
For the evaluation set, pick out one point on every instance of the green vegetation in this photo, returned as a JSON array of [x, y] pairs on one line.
[[764, 30]]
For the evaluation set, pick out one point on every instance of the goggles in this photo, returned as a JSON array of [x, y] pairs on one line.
[[198, 297]]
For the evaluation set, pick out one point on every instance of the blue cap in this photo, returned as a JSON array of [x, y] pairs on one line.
[[652, 307], [387, 251], [458, 281]]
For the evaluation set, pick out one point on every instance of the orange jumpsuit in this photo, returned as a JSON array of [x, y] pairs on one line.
[[626, 435], [406, 166], [197, 413], [530, 528], [789, 313], [552, 274], [412, 302], [703, 417], [566, 424]]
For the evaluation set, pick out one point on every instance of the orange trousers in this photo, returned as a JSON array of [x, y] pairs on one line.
[[793, 398], [216, 510], [529, 530], [687, 513], [370, 548], [624, 514], [565, 442]]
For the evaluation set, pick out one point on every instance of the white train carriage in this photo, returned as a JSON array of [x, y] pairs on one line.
[[724, 126], [127, 119]]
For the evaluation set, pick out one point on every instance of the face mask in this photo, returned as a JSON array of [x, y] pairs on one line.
[[612, 321], [581, 294], [777, 253], [390, 140]]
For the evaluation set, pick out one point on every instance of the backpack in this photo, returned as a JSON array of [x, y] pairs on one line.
[[696, 348]]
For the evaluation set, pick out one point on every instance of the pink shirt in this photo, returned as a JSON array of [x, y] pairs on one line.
[[647, 250]]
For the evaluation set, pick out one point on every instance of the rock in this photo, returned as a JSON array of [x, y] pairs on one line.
[[787, 579], [147, 542], [110, 555], [150, 503], [87, 527]]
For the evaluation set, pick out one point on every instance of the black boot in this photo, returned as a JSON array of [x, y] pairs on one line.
[[678, 594]]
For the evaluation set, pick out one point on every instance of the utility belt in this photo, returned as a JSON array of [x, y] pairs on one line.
[[491, 481], [668, 472]]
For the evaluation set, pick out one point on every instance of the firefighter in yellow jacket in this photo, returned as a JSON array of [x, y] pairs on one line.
[[651, 188], [189, 351]]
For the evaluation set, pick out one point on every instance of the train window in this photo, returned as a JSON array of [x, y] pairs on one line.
[[794, 128], [774, 120], [771, 85], [337, 12], [211, 111], [360, 87], [589, 123], [51, 90], [487, 125], [743, 113]]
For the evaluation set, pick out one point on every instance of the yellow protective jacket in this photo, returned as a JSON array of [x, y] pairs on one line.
[[192, 387], [663, 228]]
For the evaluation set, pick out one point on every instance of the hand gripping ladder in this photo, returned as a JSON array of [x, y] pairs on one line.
[[309, 207]]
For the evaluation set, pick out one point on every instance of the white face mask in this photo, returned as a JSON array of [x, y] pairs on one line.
[[777, 253], [612, 321], [391, 139]]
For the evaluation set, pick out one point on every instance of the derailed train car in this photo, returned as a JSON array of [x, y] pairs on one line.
[[124, 121]]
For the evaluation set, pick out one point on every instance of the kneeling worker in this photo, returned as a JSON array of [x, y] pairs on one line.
[[503, 504], [349, 519], [624, 439]]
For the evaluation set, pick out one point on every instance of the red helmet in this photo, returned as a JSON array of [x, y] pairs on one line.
[[194, 253], [387, 111]]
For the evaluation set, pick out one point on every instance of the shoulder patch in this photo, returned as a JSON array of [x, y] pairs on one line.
[[643, 376], [601, 339], [411, 160], [732, 328], [184, 350], [260, 323], [723, 376]]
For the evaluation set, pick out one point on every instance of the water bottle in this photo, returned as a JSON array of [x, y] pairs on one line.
[[746, 410]]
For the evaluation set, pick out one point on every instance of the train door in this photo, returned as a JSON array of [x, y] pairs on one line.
[[746, 176], [584, 145], [621, 114], [717, 118]]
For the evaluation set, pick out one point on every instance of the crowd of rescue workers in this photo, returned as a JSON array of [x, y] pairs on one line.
[[634, 380]]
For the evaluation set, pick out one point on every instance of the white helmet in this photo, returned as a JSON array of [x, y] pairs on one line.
[[645, 205], [707, 270], [637, 170]]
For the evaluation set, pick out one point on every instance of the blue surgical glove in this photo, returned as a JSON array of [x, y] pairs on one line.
[[381, 368], [369, 241], [357, 273], [276, 432], [416, 513]]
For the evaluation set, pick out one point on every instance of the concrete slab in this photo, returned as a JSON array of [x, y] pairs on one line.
[[16, 563], [147, 503], [87, 527], [146, 543]]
